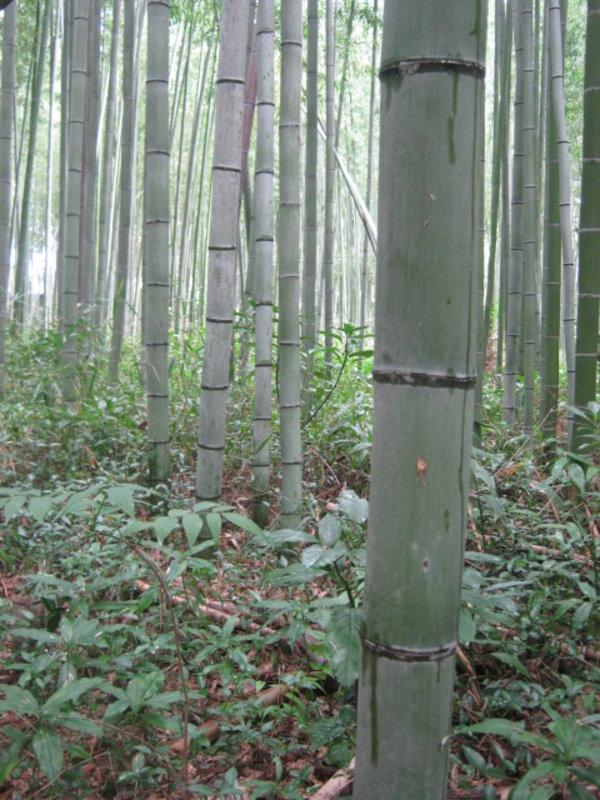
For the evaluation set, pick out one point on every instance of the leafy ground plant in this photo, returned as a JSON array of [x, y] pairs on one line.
[[133, 664]]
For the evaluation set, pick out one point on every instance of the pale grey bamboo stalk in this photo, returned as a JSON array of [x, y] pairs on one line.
[[264, 254], [177, 47], [551, 283], [176, 265], [73, 202], [23, 254], [309, 324], [204, 205], [89, 260], [64, 127], [126, 188], [515, 276], [289, 262], [328, 247], [156, 230], [502, 57], [190, 181], [7, 106], [359, 202], [49, 167], [227, 162], [564, 183], [344, 76], [530, 237], [107, 182], [364, 305], [505, 253]]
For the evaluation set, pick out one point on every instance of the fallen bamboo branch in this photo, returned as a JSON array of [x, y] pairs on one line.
[[338, 785]]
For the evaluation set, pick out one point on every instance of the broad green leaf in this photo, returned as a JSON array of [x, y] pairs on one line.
[[116, 708], [544, 792], [214, 523], [167, 723], [79, 631], [343, 635], [512, 661], [475, 759], [242, 522], [288, 536], [139, 690], [506, 728], [317, 556], [69, 693], [522, 789], [582, 614], [163, 526], [76, 722], [354, 507], [14, 506], [324, 730], [48, 748], [229, 626], [577, 477], [578, 792], [40, 506], [192, 525], [467, 630], [37, 635], [165, 700], [330, 530], [206, 505], [79, 501], [122, 497], [589, 775], [18, 700], [11, 756]]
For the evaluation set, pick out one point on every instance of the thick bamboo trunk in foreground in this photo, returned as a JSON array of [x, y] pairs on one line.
[[424, 377]]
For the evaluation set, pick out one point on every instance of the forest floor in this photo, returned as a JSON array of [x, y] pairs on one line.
[[153, 647]]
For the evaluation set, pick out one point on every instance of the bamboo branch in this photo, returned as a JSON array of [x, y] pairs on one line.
[[337, 786]]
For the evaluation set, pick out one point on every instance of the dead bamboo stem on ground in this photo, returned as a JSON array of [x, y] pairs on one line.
[[337, 786]]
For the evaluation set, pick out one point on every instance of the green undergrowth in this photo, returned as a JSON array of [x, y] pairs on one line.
[[153, 646]]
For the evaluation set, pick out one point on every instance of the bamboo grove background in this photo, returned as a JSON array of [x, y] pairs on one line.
[[117, 211]]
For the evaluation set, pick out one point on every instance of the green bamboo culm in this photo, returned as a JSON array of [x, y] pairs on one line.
[[432, 69], [156, 249]]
